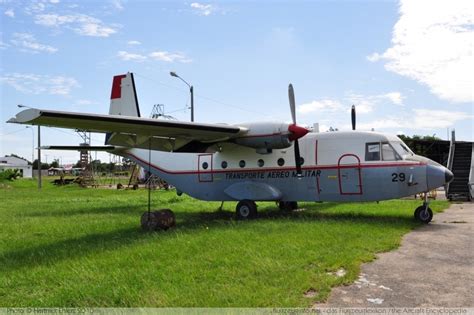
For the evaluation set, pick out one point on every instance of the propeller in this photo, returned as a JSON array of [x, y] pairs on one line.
[[353, 117], [296, 131]]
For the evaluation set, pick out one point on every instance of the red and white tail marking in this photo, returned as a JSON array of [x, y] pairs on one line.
[[123, 98]]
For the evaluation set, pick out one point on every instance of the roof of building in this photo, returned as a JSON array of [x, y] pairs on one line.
[[13, 160]]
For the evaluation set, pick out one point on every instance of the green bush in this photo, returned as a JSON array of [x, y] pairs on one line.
[[10, 174]]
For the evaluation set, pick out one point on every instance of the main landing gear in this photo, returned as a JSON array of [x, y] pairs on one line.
[[424, 213], [246, 209], [288, 205]]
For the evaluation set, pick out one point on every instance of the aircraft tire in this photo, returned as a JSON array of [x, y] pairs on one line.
[[246, 209], [423, 217]]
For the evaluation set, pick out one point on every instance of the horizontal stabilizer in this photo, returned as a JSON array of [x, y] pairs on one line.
[[78, 147]]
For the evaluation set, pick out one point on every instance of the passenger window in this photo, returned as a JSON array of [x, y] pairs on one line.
[[372, 151], [388, 153], [205, 165], [260, 163], [224, 164], [281, 162], [242, 163], [301, 160]]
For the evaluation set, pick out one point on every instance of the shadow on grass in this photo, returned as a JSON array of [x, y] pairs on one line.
[[133, 208], [48, 254], [188, 222]]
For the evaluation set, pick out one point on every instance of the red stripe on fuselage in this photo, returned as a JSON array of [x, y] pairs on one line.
[[315, 167]]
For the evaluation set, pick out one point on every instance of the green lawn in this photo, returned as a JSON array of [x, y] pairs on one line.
[[68, 246]]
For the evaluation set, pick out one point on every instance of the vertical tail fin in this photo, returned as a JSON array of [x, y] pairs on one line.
[[123, 99]]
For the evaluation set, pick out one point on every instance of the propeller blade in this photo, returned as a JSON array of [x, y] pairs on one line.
[[291, 96], [353, 117], [298, 159], [296, 131]]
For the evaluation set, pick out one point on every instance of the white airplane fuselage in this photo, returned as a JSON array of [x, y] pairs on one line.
[[338, 166]]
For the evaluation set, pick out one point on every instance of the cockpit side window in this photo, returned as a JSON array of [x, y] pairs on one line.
[[372, 151], [388, 153], [401, 148], [404, 146]]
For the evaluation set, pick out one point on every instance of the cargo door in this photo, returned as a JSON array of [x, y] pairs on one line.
[[350, 182]]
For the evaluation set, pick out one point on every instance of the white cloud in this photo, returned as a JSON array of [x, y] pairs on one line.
[[169, 57], [38, 84], [3, 45], [10, 13], [374, 57], [364, 103], [54, 1], [367, 103], [320, 105], [80, 23], [35, 7], [381, 124], [27, 42], [394, 97], [156, 55], [363, 108], [134, 42], [419, 119], [126, 56], [432, 119], [117, 4], [203, 9], [432, 44]]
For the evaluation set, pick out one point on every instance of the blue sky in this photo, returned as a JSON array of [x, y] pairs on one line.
[[406, 68]]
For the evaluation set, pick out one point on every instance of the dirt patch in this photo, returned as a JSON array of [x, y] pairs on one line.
[[311, 293]]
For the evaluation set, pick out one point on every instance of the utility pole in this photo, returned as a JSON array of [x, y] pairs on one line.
[[191, 90], [39, 157]]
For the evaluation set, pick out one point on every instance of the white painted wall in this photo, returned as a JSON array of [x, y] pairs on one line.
[[11, 162]]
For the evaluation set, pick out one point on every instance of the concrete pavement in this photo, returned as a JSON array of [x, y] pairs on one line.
[[434, 267]]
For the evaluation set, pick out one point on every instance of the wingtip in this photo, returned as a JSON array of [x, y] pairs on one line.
[[25, 116]]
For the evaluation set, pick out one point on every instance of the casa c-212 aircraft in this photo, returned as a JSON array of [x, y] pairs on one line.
[[257, 161]]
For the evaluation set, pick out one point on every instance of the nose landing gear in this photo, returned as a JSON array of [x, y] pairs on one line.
[[424, 213]]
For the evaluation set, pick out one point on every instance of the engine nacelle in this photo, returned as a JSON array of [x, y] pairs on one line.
[[265, 135]]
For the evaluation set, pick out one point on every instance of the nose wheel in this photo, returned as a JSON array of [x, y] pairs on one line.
[[424, 213]]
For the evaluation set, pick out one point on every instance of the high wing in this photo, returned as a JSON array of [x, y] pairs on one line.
[[124, 127], [135, 131]]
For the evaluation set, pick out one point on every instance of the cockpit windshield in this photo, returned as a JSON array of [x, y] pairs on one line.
[[401, 148]]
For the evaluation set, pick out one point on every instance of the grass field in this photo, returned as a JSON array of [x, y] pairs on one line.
[[68, 246]]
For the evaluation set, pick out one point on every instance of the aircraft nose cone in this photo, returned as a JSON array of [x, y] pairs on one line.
[[448, 176]]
